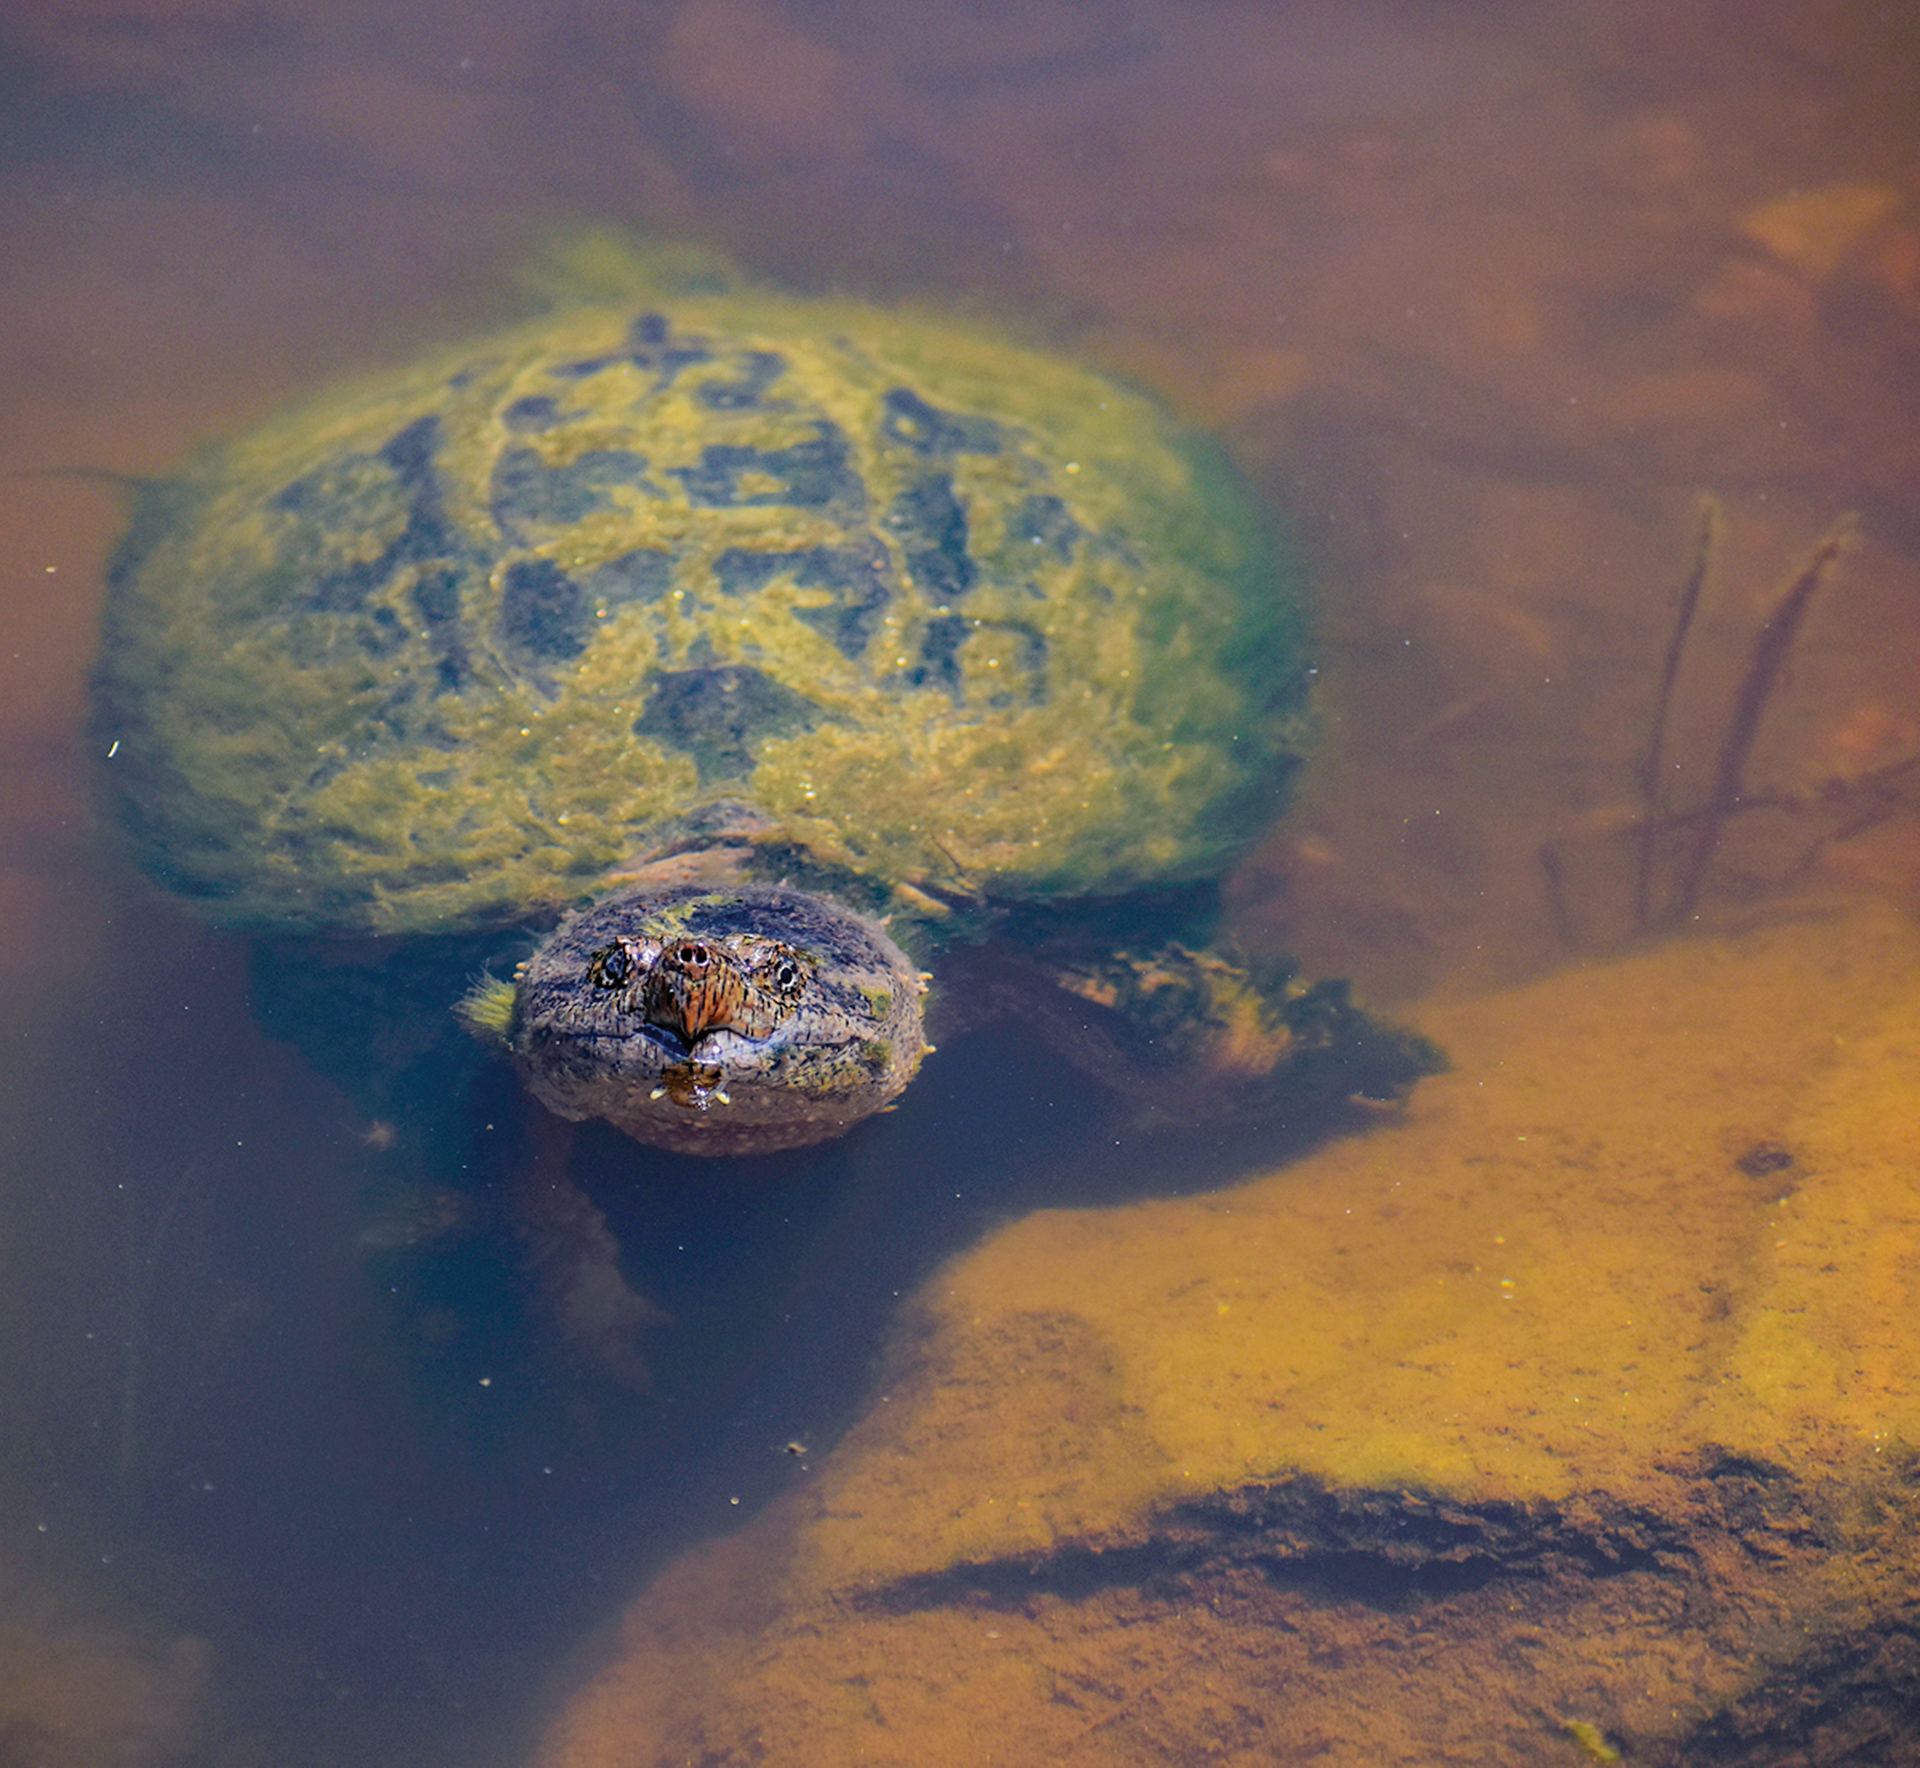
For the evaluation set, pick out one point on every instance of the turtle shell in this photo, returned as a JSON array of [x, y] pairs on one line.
[[453, 644]]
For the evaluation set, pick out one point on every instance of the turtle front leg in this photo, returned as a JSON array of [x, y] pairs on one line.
[[574, 1256], [1196, 1034]]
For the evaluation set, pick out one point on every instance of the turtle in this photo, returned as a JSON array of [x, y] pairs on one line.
[[767, 654]]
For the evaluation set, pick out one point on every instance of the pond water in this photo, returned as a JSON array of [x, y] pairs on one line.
[[1481, 297]]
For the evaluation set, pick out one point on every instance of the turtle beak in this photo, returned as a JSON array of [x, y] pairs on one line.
[[696, 987]]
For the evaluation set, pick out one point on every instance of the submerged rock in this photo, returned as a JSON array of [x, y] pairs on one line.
[[1549, 1423]]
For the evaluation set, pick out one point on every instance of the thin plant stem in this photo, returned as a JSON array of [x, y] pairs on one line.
[[1770, 651], [1652, 767]]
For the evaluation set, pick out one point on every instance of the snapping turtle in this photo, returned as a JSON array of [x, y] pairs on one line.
[[782, 634]]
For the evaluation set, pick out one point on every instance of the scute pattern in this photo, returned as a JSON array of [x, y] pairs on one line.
[[454, 643]]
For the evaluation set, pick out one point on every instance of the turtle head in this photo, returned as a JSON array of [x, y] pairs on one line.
[[732, 1021]]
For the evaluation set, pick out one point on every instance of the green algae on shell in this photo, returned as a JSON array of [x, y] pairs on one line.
[[455, 644]]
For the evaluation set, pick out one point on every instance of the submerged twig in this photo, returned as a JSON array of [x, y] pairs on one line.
[[1554, 876], [135, 482], [1770, 649], [1674, 849], [1875, 795], [1653, 758]]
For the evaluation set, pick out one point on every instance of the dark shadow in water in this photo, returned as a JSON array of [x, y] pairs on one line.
[[292, 1378]]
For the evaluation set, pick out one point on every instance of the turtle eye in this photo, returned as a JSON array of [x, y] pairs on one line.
[[783, 971], [610, 967]]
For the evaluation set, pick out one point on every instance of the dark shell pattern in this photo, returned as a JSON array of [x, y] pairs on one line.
[[460, 642]]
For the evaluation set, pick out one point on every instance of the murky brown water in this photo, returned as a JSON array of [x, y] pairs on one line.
[[1482, 296]]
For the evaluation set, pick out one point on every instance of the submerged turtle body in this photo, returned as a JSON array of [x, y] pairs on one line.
[[701, 587]]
